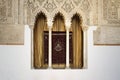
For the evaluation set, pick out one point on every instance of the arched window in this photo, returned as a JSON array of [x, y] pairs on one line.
[[58, 23], [77, 35], [58, 40], [39, 27]]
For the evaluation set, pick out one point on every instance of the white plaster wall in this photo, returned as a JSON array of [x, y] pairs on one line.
[[15, 64]]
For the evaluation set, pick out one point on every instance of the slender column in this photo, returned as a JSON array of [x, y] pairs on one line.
[[49, 22], [50, 49], [32, 49], [88, 40], [67, 48], [90, 33], [85, 47], [32, 44], [67, 23]]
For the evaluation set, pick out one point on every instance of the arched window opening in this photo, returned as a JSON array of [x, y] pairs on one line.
[[77, 35], [58, 23], [58, 42], [58, 48], [39, 27]]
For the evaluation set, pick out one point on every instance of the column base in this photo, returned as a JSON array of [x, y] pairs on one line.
[[49, 68], [67, 68]]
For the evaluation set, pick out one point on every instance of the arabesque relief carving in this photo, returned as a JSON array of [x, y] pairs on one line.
[[68, 6], [5, 11], [50, 7], [111, 11], [93, 12]]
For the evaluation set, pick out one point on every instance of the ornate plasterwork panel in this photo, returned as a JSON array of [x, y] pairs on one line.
[[85, 6], [68, 6], [111, 12], [11, 15], [51, 7], [59, 1], [101, 13], [76, 2], [6, 14], [11, 12], [108, 23], [94, 12], [40, 1]]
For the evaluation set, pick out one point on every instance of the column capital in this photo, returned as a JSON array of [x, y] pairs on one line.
[[85, 28], [68, 24], [50, 23], [93, 27], [30, 26]]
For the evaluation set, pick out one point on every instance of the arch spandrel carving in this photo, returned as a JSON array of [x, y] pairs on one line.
[[58, 7]]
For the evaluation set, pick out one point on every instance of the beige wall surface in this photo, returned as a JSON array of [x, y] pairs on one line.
[[11, 34]]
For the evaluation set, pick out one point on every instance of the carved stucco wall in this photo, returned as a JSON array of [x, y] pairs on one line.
[[17, 13], [67, 7], [108, 23], [11, 22], [110, 12], [6, 14], [11, 12], [105, 14]]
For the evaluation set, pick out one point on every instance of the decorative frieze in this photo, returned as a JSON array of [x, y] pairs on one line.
[[50, 7]]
